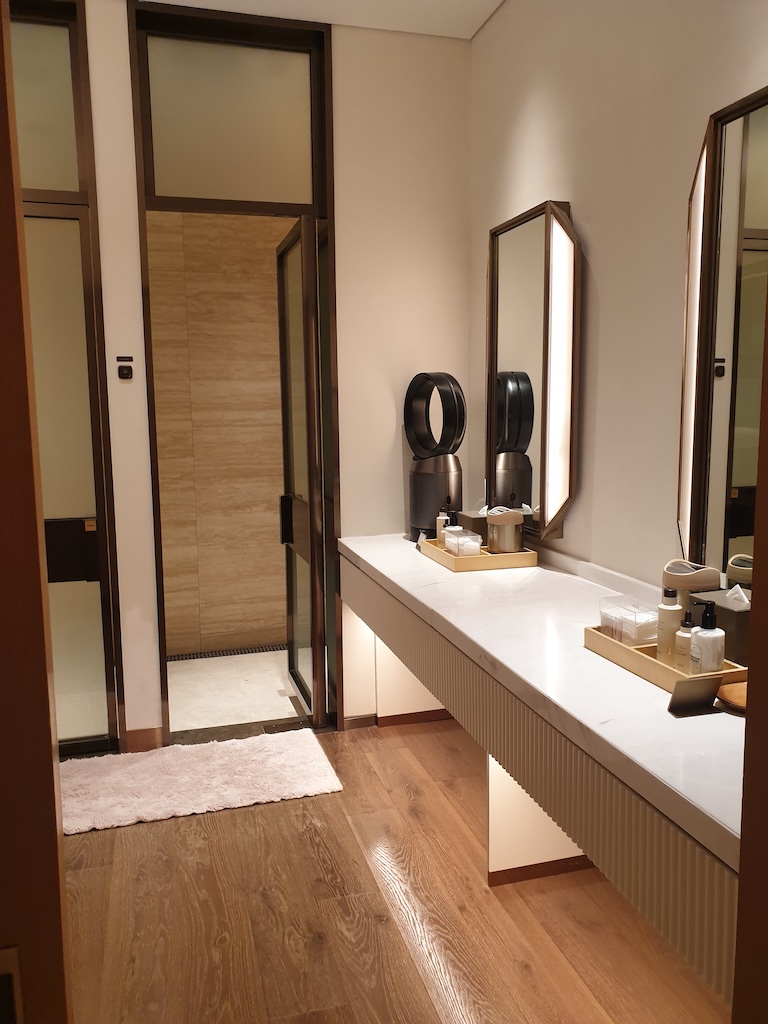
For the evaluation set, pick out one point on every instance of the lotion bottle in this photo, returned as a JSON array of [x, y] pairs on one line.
[[670, 613], [452, 527], [707, 643], [440, 524], [683, 645]]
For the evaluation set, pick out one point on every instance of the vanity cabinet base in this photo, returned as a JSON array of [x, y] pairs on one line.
[[637, 847]]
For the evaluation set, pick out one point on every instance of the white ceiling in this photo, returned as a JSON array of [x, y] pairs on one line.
[[457, 18]]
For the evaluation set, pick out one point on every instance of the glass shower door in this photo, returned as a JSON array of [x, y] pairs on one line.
[[301, 511]]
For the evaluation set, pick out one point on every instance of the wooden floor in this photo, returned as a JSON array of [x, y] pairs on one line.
[[366, 905]]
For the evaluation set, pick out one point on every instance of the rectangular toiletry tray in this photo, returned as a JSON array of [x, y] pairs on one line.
[[485, 560], [642, 661]]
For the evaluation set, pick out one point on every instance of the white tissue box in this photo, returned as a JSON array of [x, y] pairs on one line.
[[630, 622]]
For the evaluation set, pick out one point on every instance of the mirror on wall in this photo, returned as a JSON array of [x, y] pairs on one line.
[[726, 323], [534, 278]]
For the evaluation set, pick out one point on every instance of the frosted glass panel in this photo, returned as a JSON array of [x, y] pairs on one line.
[[78, 659], [57, 315], [230, 122], [45, 112], [756, 184]]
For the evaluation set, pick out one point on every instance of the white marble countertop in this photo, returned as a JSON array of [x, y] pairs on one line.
[[525, 628]]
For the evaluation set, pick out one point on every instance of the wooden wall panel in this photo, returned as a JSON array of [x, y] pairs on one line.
[[217, 391], [176, 467]]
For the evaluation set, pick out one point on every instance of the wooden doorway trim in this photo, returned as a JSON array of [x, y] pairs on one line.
[[31, 909]]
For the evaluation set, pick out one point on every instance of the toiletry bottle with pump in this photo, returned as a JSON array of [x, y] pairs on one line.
[[440, 524], [452, 526], [683, 645], [707, 643], [670, 613]]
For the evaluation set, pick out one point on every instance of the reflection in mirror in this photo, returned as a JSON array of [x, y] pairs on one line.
[[690, 369], [533, 314], [515, 419], [725, 334]]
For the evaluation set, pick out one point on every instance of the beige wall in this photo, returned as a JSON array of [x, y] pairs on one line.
[[216, 363], [605, 105], [401, 166], [117, 206]]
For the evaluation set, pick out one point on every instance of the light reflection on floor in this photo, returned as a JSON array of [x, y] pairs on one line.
[[415, 919]]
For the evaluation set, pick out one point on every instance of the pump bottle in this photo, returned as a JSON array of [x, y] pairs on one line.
[[683, 645], [452, 527], [707, 643], [440, 524], [670, 613]]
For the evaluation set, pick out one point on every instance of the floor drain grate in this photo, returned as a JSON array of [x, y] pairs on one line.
[[264, 649]]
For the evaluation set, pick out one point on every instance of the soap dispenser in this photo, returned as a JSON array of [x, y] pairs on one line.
[[707, 643]]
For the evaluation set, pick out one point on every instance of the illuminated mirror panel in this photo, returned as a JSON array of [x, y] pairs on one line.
[[690, 363], [559, 371]]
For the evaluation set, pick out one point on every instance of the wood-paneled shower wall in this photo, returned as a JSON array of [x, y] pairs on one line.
[[213, 303]]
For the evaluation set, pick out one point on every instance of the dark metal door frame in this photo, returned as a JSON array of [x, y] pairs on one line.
[[98, 558], [302, 521], [81, 205]]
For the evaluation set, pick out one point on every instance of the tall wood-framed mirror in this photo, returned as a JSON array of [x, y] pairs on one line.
[[726, 323], [534, 287]]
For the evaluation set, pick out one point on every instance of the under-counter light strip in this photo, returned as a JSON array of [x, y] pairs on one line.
[[560, 353], [691, 360]]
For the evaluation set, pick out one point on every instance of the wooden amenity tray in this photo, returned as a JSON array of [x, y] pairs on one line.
[[485, 560], [642, 660]]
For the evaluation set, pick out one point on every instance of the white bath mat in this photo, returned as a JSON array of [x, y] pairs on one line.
[[120, 789]]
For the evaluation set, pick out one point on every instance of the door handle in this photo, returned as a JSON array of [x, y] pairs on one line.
[[286, 519]]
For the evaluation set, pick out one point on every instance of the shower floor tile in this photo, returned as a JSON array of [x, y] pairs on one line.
[[205, 693]]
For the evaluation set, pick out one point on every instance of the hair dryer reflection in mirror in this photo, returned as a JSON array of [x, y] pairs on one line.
[[514, 427]]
